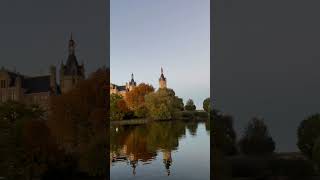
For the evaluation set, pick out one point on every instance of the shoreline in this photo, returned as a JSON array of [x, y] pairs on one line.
[[141, 121]]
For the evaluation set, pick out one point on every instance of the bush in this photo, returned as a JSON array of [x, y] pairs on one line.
[[163, 104], [116, 102], [224, 136], [141, 112], [206, 105], [190, 106], [316, 152], [308, 132], [256, 139]]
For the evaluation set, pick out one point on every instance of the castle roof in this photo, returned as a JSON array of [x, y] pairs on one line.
[[72, 66], [36, 84], [162, 76], [119, 88]]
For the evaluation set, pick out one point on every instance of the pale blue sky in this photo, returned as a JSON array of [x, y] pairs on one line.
[[174, 34]]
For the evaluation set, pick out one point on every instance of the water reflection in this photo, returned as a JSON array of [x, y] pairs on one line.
[[144, 144]]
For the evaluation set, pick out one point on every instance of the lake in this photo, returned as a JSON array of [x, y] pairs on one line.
[[160, 150]]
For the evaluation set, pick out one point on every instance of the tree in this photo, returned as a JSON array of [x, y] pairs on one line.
[[162, 104], [78, 121], [316, 151], [14, 157], [135, 99], [206, 105], [224, 136], [308, 132], [118, 107], [256, 139], [190, 105]]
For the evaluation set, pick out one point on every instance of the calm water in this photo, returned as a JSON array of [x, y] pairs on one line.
[[161, 150]]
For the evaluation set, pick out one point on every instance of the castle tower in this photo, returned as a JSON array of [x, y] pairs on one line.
[[132, 84], [162, 80], [71, 73], [167, 160]]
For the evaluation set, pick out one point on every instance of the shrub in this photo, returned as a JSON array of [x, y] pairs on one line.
[[308, 132], [256, 139], [163, 104], [206, 105], [190, 105]]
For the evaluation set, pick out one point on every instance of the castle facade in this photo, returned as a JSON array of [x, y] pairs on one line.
[[129, 86], [38, 89]]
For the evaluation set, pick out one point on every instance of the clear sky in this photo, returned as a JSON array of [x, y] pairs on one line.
[[266, 64], [34, 34], [174, 34]]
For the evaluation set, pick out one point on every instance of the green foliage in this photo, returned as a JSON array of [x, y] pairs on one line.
[[115, 112], [256, 139], [190, 105], [162, 104], [206, 105], [308, 132], [141, 112], [316, 152], [14, 155], [224, 136]]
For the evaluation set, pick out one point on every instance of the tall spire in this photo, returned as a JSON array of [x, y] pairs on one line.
[[71, 45], [131, 76], [161, 70]]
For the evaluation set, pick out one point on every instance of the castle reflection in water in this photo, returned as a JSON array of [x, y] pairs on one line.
[[140, 145]]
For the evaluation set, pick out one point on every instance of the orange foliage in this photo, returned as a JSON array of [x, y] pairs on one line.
[[122, 105], [81, 113], [135, 98]]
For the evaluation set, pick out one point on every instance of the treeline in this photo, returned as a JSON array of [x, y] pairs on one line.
[[144, 102], [257, 142], [70, 143]]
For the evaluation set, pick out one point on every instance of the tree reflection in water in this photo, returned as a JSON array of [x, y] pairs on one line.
[[142, 143]]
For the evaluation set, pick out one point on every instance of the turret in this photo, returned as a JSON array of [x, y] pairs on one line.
[[162, 80], [167, 160], [72, 45]]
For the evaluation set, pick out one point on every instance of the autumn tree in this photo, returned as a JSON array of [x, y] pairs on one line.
[[78, 120], [136, 99]]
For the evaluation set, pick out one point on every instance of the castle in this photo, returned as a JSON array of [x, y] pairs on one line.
[[122, 90], [37, 90]]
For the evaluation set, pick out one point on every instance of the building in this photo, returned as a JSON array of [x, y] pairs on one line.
[[71, 73], [123, 89], [37, 90], [30, 90]]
